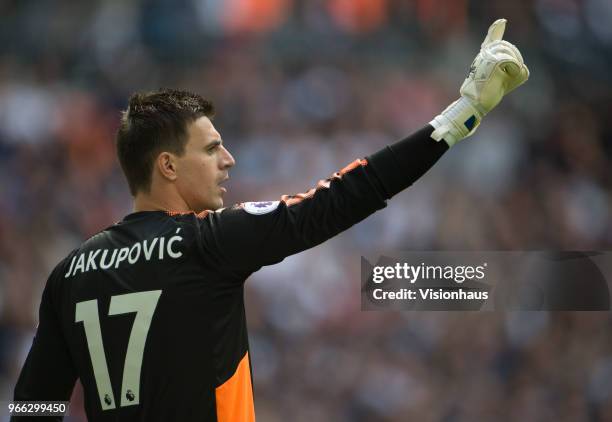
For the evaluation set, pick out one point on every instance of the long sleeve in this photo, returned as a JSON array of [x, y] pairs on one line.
[[48, 373], [250, 235]]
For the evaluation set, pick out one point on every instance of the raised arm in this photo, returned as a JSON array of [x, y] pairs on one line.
[[251, 235]]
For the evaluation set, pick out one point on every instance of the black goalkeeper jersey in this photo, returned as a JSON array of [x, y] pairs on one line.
[[149, 313]]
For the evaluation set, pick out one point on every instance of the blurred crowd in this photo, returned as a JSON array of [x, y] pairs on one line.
[[303, 87]]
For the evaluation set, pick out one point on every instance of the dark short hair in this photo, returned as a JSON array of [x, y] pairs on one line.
[[155, 122]]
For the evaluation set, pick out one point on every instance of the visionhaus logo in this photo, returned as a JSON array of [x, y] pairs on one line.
[[485, 281], [424, 283]]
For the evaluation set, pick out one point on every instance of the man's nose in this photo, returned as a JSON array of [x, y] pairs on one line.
[[228, 160]]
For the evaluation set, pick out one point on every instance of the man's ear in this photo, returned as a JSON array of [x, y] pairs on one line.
[[167, 165]]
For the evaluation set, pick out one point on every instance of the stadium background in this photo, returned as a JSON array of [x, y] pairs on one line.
[[302, 88]]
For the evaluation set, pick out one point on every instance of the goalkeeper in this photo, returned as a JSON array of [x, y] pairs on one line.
[[149, 313]]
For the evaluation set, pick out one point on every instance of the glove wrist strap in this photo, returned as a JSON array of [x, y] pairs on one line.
[[459, 120]]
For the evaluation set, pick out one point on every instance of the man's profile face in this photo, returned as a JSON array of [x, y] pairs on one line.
[[203, 167]]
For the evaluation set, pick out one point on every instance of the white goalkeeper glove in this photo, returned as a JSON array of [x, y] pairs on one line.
[[497, 70]]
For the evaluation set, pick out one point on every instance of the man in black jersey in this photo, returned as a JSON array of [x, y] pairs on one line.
[[149, 313]]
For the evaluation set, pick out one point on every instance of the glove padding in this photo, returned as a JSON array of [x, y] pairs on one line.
[[497, 70]]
